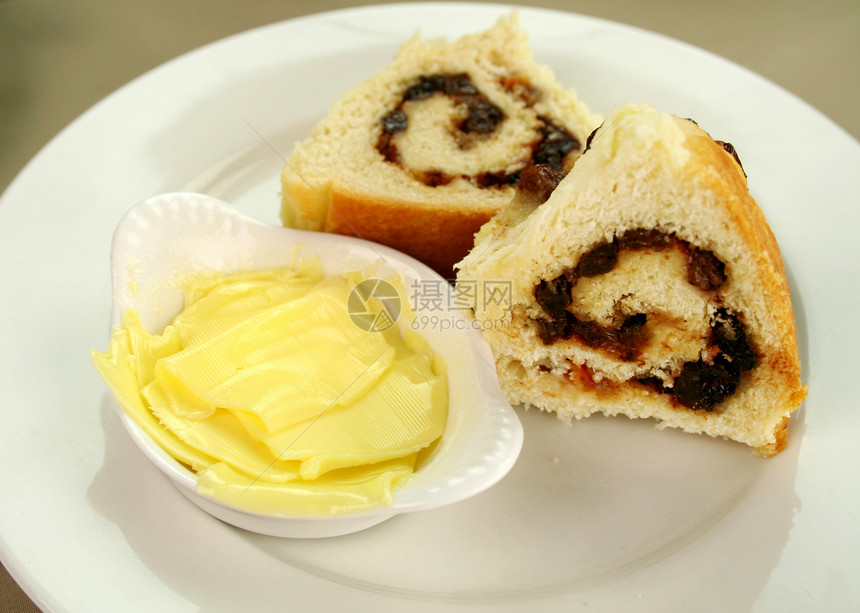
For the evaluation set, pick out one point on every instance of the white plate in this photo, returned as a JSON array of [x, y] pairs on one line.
[[609, 514]]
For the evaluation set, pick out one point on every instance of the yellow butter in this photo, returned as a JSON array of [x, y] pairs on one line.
[[267, 389]]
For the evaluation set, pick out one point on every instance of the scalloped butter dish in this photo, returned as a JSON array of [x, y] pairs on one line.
[[172, 237]]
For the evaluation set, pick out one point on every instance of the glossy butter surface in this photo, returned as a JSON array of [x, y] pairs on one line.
[[266, 387]]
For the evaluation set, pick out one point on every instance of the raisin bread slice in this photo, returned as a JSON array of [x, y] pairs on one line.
[[422, 154], [649, 284]]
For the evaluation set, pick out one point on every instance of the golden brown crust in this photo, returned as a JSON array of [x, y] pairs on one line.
[[439, 237], [780, 435], [748, 218]]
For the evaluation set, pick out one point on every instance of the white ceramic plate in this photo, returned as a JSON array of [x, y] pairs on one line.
[[610, 514]]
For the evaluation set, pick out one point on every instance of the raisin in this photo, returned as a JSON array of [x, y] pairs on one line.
[[553, 296], [728, 334], [459, 85], [434, 177], [424, 88], [484, 116], [556, 142], [702, 386], [538, 181], [496, 179], [395, 121], [599, 260], [550, 330], [633, 325], [704, 270]]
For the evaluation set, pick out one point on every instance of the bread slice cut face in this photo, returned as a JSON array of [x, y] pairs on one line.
[[423, 153], [648, 284]]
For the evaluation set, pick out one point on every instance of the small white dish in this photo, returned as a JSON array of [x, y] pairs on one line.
[[167, 237]]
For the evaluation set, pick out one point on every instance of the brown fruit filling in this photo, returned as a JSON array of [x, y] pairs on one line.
[[701, 384], [482, 117]]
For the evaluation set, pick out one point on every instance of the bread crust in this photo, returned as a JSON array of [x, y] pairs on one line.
[[437, 237], [729, 179]]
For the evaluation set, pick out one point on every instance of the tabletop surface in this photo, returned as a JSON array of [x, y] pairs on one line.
[[58, 59]]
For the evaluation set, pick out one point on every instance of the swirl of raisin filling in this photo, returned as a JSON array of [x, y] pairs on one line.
[[700, 384], [481, 118]]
